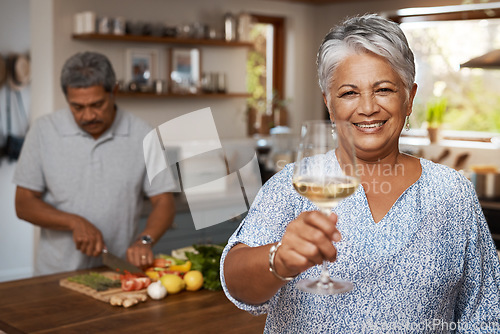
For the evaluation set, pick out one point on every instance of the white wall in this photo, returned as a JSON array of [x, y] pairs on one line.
[[16, 236]]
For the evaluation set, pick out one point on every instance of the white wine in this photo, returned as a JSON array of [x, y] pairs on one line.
[[327, 192]]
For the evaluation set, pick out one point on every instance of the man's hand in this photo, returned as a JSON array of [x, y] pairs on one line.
[[88, 239], [31, 207], [159, 220], [140, 255]]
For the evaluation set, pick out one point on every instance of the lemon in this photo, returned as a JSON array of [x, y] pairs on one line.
[[193, 280], [172, 283]]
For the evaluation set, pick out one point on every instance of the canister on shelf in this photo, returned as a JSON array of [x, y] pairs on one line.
[[159, 87], [221, 82], [230, 27], [244, 23], [119, 26], [104, 25]]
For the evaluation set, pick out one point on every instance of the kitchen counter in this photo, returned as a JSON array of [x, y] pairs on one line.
[[40, 305]]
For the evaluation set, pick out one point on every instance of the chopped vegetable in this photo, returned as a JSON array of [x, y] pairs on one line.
[[160, 262], [170, 259], [95, 281], [130, 282], [207, 260]]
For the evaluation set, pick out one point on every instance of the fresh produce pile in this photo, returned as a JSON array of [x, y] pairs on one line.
[[165, 264], [206, 259], [171, 275], [191, 269]]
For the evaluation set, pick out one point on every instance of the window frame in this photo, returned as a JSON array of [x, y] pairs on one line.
[[279, 60], [449, 13], [446, 13]]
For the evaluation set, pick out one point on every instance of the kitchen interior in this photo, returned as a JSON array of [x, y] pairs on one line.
[[52, 30]]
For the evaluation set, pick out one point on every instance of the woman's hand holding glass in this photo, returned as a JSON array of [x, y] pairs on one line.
[[307, 242], [325, 173]]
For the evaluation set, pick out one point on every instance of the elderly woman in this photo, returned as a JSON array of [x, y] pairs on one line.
[[420, 254]]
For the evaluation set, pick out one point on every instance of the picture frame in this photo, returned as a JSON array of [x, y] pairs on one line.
[[141, 67], [185, 70]]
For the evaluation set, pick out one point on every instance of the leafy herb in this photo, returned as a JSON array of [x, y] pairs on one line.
[[207, 260], [95, 281], [435, 112]]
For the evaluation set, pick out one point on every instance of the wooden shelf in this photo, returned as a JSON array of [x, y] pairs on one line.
[[173, 41], [150, 95], [160, 40]]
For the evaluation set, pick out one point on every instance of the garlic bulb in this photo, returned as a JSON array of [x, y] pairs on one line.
[[156, 290]]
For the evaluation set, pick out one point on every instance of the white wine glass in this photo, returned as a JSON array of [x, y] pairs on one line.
[[325, 173]]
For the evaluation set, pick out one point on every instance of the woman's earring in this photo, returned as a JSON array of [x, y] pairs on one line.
[[407, 123]]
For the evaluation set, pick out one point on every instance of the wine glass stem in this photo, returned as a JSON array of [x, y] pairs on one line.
[[325, 274]]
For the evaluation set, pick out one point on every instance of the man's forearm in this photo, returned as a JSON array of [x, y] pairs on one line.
[[31, 208], [161, 217]]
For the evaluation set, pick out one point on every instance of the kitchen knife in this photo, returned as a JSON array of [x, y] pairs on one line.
[[119, 265]]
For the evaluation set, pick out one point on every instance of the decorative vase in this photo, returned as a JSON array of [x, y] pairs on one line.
[[433, 134]]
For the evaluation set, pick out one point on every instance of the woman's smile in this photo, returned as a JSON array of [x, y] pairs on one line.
[[370, 126]]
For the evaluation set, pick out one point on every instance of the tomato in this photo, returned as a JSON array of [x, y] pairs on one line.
[[159, 262], [128, 285], [126, 275], [144, 281], [138, 284], [135, 283], [175, 272]]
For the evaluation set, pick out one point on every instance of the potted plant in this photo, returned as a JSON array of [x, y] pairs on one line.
[[264, 115], [434, 117]]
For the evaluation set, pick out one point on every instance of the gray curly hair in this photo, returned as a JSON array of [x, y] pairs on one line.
[[86, 69]]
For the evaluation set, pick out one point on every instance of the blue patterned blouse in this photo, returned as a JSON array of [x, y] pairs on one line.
[[429, 266]]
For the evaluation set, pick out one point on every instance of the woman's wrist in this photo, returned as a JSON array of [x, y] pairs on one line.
[[272, 263]]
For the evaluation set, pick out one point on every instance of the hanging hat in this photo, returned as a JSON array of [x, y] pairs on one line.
[[18, 68], [3, 71]]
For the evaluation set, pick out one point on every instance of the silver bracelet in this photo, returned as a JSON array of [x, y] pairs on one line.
[[272, 254]]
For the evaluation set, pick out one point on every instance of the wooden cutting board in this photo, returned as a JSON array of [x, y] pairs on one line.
[[106, 295]]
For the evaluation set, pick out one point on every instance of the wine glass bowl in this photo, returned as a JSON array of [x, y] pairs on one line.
[[325, 173]]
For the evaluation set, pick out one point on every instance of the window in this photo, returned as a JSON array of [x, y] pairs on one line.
[[265, 68], [441, 42]]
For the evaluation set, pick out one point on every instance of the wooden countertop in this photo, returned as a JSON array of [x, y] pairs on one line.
[[40, 305], [490, 204]]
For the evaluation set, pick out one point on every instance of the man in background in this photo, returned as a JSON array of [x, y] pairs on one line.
[[81, 176]]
